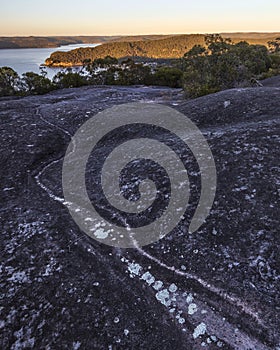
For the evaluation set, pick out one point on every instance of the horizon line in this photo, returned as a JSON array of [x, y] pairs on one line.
[[150, 34]]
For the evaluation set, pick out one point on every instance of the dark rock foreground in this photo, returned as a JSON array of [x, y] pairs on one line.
[[217, 288]]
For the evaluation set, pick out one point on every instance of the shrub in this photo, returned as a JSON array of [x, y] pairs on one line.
[[68, 79], [168, 76], [37, 84]]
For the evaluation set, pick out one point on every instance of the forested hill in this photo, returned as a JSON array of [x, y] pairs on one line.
[[168, 47], [171, 47], [20, 42]]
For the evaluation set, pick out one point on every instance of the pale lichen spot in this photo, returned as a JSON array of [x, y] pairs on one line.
[[213, 338], [76, 345], [101, 234], [148, 278], [173, 288], [134, 269], [214, 232], [227, 104], [158, 285], [19, 277], [199, 330], [89, 219], [181, 320], [192, 309], [164, 297], [189, 298]]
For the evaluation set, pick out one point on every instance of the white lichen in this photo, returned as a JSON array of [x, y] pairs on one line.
[[192, 309], [134, 269], [163, 296], [173, 288], [181, 320], [148, 278], [101, 234], [189, 298], [199, 330], [158, 285]]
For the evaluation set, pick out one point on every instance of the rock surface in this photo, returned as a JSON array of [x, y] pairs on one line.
[[217, 288]]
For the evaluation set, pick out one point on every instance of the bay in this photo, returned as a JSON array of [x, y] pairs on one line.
[[30, 60]]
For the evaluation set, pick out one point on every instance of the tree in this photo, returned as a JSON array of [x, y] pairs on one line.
[[274, 45], [168, 76], [216, 44], [68, 79], [223, 65], [37, 84], [196, 51], [131, 73], [9, 81]]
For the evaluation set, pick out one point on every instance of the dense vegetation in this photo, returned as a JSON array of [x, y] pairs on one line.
[[106, 71], [215, 65], [170, 47], [221, 65]]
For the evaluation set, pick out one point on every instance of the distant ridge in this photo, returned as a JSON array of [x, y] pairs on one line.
[[56, 41], [19, 42]]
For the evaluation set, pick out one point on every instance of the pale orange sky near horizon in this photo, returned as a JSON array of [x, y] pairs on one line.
[[32, 17]]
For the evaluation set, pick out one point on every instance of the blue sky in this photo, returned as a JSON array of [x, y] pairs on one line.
[[111, 17]]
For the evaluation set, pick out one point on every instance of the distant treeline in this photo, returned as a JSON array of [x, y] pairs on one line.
[[214, 65], [170, 47], [56, 41]]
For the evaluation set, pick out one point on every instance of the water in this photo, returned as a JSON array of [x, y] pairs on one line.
[[29, 60]]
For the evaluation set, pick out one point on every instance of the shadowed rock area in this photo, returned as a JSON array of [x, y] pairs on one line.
[[217, 288]]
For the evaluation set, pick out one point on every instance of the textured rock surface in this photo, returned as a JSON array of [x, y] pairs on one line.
[[217, 288]]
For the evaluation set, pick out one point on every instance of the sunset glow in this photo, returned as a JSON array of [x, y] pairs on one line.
[[109, 17]]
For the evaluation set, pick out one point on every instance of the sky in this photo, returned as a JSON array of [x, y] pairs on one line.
[[124, 17]]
